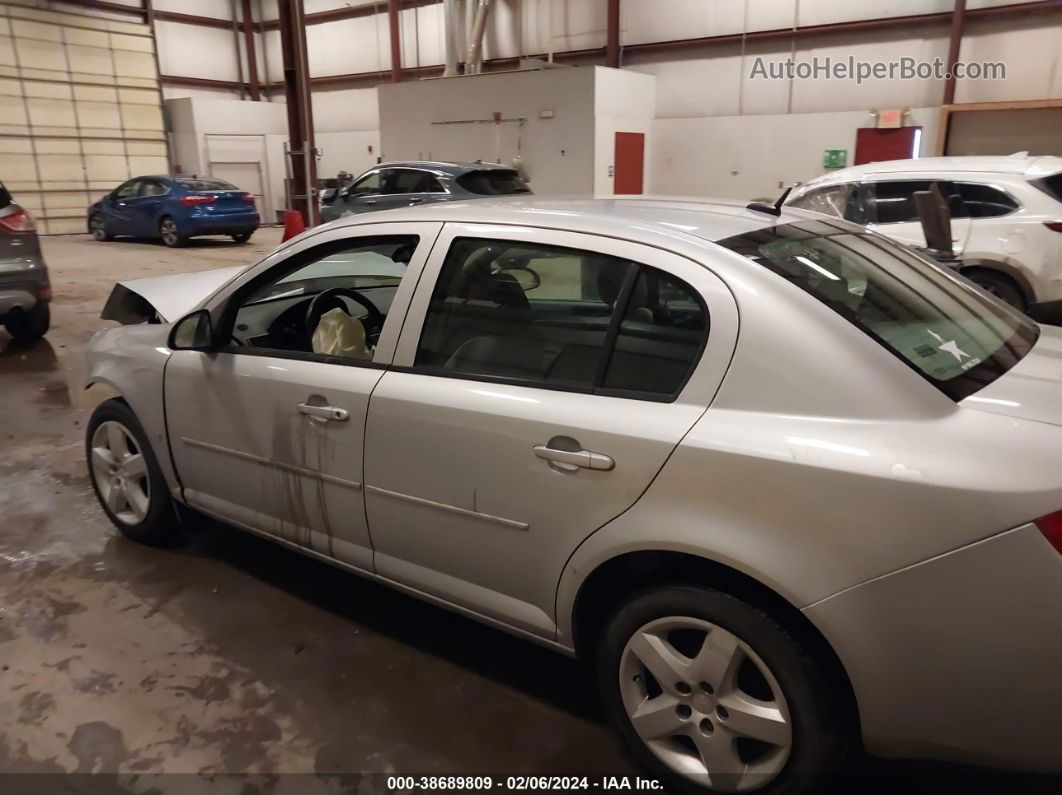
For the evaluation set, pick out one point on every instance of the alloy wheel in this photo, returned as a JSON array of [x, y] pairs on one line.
[[168, 230], [705, 704], [98, 230], [120, 472]]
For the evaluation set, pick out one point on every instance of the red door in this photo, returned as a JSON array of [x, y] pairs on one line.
[[874, 144], [630, 162]]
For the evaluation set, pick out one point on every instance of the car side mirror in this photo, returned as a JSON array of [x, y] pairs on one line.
[[194, 332]]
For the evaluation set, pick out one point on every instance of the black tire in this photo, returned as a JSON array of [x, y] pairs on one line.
[[241, 237], [160, 526], [817, 743], [98, 228], [29, 325], [998, 284], [171, 237]]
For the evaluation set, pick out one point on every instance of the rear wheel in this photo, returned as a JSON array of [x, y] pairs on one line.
[[98, 228], [126, 477], [29, 324], [241, 237], [170, 233], [713, 695], [1001, 286]]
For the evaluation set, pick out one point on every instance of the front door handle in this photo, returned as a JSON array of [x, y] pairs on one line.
[[416, 200], [570, 459], [324, 412]]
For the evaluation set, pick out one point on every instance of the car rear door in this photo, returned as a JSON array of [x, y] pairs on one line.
[[890, 209], [268, 436], [503, 437]]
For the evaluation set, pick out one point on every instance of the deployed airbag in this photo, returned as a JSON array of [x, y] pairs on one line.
[[338, 334]]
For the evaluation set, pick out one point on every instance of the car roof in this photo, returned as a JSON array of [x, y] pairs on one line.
[[638, 218], [450, 168], [1018, 165]]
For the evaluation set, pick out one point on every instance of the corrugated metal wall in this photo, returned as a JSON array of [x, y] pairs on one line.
[[80, 110]]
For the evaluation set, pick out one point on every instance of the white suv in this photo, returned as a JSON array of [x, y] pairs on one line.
[[1006, 214]]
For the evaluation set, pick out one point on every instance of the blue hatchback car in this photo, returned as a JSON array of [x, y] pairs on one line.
[[173, 209]]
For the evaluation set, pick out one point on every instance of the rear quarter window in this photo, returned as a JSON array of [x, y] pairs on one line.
[[1051, 185], [985, 201]]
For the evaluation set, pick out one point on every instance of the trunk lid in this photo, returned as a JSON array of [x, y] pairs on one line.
[[167, 297], [1032, 389], [228, 202]]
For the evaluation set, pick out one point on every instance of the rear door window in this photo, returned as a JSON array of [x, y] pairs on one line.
[[892, 202], [543, 315], [985, 201], [952, 335], [408, 180], [493, 182]]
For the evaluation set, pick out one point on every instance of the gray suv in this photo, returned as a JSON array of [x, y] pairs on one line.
[[24, 288], [402, 184]]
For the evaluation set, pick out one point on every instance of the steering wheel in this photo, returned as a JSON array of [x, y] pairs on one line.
[[330, 299]]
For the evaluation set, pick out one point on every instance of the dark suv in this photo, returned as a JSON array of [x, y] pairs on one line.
[[24, 288], [401, 184]]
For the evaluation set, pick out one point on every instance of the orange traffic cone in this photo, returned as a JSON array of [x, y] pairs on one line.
[[293, 224]]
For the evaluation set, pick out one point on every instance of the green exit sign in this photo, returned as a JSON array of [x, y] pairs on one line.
[[835, 158]]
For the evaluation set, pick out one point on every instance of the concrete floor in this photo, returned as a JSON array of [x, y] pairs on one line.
[[236, 656]]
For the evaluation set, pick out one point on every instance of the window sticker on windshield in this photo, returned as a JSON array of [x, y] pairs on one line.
[[965, 360]]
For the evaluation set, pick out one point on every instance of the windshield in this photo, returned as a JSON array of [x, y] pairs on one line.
[[205, 183], [956, 337]]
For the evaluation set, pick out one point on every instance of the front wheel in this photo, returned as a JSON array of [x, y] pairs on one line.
[[170, 234], [30, 324], [241, 237], [713, 695], [126, 477], [98, 228]]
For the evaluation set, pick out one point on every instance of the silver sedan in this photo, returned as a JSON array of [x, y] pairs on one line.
[[789, 487]]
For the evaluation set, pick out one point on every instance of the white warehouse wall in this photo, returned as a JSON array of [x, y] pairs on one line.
[[704, 99]]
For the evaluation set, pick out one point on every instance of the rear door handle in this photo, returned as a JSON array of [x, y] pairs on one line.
[[326, 413], [584, 459], [416, 201]]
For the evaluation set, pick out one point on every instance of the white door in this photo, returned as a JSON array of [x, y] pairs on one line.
[[540, 383], [245, 176], [267, 430], [241, 160]]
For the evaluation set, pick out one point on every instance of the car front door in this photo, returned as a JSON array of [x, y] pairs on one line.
[[540, 383], [374, 192], [145, 208], [266, 431], [117, 212]]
